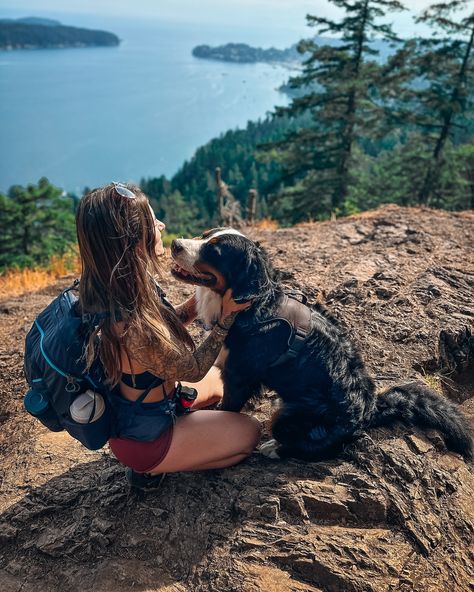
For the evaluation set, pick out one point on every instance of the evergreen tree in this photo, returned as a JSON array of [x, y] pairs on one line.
[[10, 237], [394, 177], [342, 81], [42, 224], [438, 96]]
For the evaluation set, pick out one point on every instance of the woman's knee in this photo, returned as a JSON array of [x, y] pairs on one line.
[[241, 432], [251, 432]]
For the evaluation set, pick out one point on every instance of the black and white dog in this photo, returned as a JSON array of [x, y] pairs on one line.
[[327, 395]]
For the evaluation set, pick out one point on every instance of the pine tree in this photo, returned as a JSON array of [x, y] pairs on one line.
[[438, 95], [342, 83], [10, 237], [394, 176], [466, 157], [42, 224]]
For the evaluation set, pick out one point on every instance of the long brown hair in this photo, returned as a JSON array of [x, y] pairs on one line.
[[116, 236]]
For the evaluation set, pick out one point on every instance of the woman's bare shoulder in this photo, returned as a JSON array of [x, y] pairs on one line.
[[147, 353]]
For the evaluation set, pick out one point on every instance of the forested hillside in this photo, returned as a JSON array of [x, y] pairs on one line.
[[360, 131], [245, 54], [191, 194]]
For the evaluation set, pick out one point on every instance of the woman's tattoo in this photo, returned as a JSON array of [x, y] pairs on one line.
[[163, 361]]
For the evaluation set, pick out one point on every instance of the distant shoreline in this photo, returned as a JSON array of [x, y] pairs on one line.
[[241, 53], [8, 49], [36, 33]]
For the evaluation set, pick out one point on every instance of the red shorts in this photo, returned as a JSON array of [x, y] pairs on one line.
[[142, 457]]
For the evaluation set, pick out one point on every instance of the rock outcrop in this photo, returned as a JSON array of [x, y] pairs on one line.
[[393, 513]]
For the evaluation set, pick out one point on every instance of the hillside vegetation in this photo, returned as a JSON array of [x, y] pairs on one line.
[[365, 125], [360, 131]]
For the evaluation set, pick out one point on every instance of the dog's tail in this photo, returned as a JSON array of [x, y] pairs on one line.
[[417, 405]]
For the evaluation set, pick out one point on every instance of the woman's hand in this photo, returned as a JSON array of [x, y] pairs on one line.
[[230, 308]]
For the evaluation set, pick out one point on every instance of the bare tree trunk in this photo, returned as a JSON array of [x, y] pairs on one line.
[[228, 208], [220, 196], [352, 107], [252, 206]]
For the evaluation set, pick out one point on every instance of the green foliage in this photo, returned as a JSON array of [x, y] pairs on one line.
[[180, 217], [36, 222], [396, 176], [437, 97], [237, 154], [342, 83]]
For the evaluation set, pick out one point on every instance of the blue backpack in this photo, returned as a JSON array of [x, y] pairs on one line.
[[56, 374]]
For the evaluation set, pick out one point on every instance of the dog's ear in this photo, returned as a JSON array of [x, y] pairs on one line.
[[252, 278]]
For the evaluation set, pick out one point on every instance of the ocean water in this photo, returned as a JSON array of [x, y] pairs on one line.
[[84, 117]]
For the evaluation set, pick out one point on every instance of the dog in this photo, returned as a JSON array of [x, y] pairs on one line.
[[327, 396]]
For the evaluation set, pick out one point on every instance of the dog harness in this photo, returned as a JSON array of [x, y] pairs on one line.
[[294, 311]]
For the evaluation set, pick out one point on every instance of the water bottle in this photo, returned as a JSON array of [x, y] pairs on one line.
[[88, 407], [38, 406], [90, 420]]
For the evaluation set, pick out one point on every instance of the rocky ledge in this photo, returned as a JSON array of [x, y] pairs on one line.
[[393, 513]]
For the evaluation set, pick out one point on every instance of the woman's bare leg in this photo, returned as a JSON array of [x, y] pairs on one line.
[[209, 440], [210, 389]]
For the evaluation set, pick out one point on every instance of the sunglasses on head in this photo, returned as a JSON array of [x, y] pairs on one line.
[[123, 191]]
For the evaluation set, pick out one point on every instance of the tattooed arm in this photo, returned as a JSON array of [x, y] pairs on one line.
[[187, 310], [171, 365], [163, 361]]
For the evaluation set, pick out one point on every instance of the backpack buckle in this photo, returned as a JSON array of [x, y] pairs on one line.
[[72, 386]]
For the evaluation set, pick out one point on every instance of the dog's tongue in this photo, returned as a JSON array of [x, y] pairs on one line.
[[180, 270], [186, 273]]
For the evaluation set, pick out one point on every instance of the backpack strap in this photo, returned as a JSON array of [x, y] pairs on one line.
[[298, 316]]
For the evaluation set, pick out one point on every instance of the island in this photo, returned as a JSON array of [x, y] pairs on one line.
[[245, 54], [241, 53], [39, 33]]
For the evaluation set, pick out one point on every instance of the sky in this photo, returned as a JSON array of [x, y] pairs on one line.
[[281, 14]]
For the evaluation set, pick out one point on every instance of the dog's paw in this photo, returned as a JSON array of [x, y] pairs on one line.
[[270, 449]]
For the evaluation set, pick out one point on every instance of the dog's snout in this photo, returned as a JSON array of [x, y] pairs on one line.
[[176, 246]]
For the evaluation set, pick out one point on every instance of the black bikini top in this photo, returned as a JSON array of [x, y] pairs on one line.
[[141, 381]]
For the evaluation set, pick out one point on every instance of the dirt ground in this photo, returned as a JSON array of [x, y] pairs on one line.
[[394, 513]]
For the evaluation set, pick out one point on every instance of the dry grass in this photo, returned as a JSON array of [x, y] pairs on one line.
[[434, 382], [19, 281], [266, 224]]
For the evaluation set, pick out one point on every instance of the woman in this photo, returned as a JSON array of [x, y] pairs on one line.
[[144, 345]]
